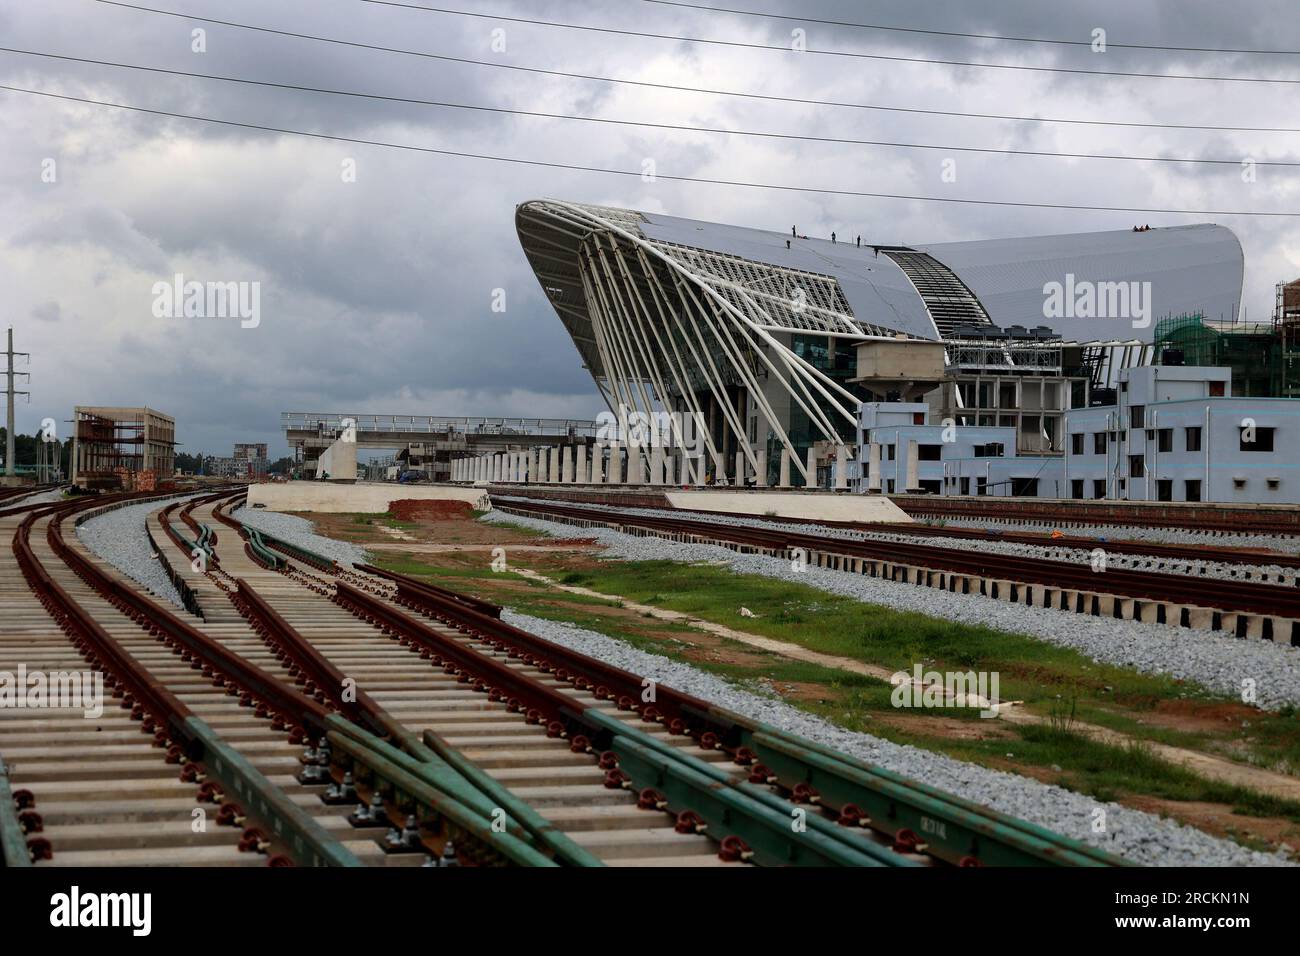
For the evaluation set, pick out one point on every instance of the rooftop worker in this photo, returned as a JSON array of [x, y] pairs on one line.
[[859, 242], [787, 243], [794, 232], [832, 237]]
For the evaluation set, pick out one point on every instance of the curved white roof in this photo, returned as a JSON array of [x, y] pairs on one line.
[[1194, 268]]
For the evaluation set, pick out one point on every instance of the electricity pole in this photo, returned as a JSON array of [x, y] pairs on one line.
[[10, 373]]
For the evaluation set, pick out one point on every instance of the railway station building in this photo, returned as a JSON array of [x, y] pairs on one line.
[[772, 341]]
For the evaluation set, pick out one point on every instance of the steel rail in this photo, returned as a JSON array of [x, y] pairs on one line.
[[857, 793], [1229, 596], [767, 835], [155, 705]]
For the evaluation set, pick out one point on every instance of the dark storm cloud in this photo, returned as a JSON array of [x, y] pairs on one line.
[[376, 294]]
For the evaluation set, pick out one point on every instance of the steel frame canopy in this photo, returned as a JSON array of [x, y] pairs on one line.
[[661, 308]]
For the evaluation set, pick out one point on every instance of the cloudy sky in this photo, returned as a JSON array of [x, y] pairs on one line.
[[376, 294]]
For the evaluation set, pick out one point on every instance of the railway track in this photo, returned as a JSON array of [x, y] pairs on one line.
[[184, 767], [334, 716], [1245, 608], [787, 774]]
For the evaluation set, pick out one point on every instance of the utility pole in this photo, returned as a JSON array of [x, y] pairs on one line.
[[10, 355]]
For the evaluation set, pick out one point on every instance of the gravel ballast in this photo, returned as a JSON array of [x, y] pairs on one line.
[[1132, 834], [1216, 662], [118, 537], [301, 532]]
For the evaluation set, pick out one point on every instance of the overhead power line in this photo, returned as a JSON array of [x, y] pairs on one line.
[[447, 104], [852, 54], [640, 174], [647, 84], [800, 18]]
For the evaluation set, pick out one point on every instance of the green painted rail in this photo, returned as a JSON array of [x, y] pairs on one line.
[[13, 842]]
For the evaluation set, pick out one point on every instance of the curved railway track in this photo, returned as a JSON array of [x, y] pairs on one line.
[[292, 691]]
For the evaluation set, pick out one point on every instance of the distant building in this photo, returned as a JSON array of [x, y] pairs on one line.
[[245, 451], [248, 462], [118, 448]]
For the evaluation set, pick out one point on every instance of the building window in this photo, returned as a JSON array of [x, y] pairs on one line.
[[981, 486], [1193, 439], [1076, 443], [1165, 439], [965, 486], [1256, 439], [1216, 390], [1136, 466], [1099, 443], [1024, 487], [918, 418], [1076, 488], [1193, 489], [993, 449], [929, 452], [1099, 487], [1136, 413], [1164, 489], [889, 486], [889, 452]]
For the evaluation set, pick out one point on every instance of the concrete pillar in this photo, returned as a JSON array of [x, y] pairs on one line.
[[597, 464], [542, 472], [634, 474], [842, 468], [784, 480], [740, 469], [760, 479], [531, 476], [812, 468], [719, 468], [553, 461], [580, 472], [615, 464], [517, 469], [873, 466], [566, 474], [670, 468], [913, 464], [657, 465]]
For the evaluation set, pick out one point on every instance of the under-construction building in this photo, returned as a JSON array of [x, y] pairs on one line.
[[1286, 319], [128, 449]]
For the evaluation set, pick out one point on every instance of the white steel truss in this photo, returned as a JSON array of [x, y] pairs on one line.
[[658, 322]]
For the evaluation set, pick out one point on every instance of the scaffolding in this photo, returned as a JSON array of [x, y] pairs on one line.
[[1253, 351], [130, 449], [1286, 322]]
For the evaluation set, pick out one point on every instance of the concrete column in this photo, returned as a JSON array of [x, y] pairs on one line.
[[812, 468], [615, 464], [719, 468], [532, 466], [597, 464], [581, 469], [740, 469], [657, 465], [543, 473], [634, 473], [873, 466], [842, 468], [553, 461], [913, 465], [670, 468], [566, 474], [517, 466], [760, 479], [784, 480]]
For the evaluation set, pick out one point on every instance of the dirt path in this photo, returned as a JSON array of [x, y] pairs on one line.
[[1207, 765]]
